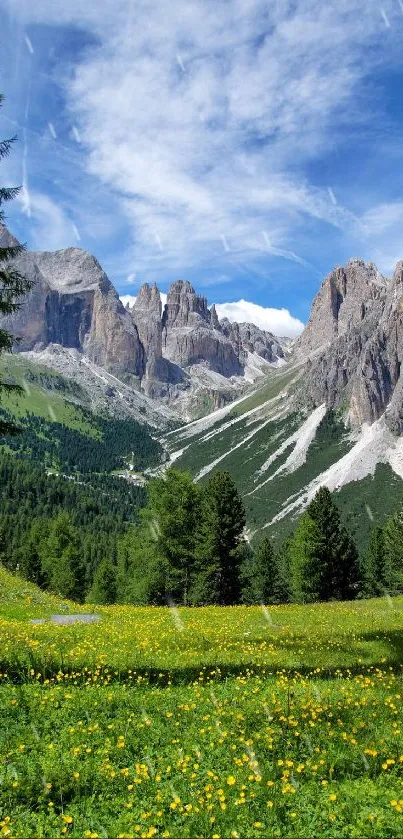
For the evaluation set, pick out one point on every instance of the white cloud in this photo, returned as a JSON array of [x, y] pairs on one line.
[[128, 299], [383, 216], [205, 122], [278, 321], [131, 299]]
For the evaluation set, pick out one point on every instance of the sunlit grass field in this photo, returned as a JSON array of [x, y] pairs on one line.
[[215, 722]]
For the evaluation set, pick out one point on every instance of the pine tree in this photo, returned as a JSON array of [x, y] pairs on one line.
[[324, 559], [104, 588], [392, 577], [13, 286], [61, 559], [373, 580], [305, 561], [282, 590], [219, 542], [173, 516], [141, 569], [261, 579], [30, 553]]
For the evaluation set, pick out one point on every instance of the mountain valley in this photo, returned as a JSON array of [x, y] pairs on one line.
[[283, 418]]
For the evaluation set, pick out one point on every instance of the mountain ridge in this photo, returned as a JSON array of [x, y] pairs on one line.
[[163, 352]]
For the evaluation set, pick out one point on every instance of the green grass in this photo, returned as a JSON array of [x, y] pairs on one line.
[[43, 401], [212, 722]]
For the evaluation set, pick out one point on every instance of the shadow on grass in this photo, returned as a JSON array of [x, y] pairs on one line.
[[26, 670]]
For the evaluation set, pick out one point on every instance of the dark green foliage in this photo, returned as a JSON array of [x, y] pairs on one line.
[[373, 565], [62, 560], [283, 584], [142, 571], [174, 516], [188, 547], [392, 576], [13, 286], [330, 430], [324, 560], [104, 587], [70, 451], [219, 539], [100, 508], [373, 498], [30, 552], [261, 575]]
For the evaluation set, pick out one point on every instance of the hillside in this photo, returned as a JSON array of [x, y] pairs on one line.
[[279, 453], [69, 470], [242, 721]]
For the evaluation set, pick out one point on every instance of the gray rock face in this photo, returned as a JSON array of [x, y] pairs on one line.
[[347, 297], [247, 337], [190, 334], [360, 369], [74, 307], [160, 373], [73, 303]]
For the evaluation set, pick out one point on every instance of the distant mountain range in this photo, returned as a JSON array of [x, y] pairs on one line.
[[180, 354], [282, 417]]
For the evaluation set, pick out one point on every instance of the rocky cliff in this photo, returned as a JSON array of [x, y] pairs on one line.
[[166, 353], [353, 344], [191, 336], [72, 303]]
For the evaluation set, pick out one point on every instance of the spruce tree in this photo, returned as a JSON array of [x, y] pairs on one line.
[[261, 575], [324, 558], [392, 577], [373, 581], [61, 559], [30, 553], [173, 517], [282, 589], [141, 568], [13, 286], [104, 589], [219, 543]]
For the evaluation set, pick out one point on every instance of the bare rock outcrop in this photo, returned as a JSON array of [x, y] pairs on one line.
[[358, 316], [247, 337], [73, 303], [347, 297], [190, 335]]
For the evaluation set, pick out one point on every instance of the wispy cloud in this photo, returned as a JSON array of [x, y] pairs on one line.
[[51, 228], [206, 123]]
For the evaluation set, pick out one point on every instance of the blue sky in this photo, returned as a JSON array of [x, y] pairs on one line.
[[246, 146]]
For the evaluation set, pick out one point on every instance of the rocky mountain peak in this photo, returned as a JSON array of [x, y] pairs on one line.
[[148, 300], [347, 296], [71, 271], [214, 318], [184, 307]]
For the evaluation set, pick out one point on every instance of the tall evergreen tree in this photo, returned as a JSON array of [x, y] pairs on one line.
[[219, 542], [13, 286], [141, 568], [173, 518], [324, 559], [61, 558], [373, 581], [104, 588], [392, 577], [29, 556], [261, 575]]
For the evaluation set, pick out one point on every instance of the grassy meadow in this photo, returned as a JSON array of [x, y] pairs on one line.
[[211, 722]]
